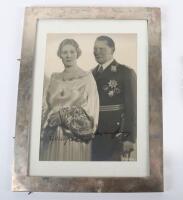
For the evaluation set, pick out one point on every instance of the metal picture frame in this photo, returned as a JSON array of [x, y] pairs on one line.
[[21, 180]]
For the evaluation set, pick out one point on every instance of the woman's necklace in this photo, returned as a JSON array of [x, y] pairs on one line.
[[72, 73]]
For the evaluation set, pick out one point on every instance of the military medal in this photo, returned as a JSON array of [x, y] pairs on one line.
[[112, 83], [111, 88], [111, 93]]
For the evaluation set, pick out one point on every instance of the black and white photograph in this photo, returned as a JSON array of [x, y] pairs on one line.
[[89, 102]]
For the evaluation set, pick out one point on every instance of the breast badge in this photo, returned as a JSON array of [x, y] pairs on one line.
[[111, 88]]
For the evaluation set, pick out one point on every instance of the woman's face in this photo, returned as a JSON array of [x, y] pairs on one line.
[[68, 55]]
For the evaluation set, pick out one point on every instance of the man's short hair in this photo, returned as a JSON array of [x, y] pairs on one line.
[[109, 41]]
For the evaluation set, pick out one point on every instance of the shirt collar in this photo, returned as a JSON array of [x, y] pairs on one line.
[[105, 65]]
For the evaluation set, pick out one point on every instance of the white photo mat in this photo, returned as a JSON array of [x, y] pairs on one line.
[[139, 168]]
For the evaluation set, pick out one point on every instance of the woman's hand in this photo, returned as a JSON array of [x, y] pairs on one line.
[[54, 119]]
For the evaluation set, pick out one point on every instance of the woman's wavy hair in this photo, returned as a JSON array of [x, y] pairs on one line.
[[71, 42]]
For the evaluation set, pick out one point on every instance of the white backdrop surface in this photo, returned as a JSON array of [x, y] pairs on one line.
[[11, 23]]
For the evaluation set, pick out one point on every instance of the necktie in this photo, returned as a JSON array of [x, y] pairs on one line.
[[100, 70]]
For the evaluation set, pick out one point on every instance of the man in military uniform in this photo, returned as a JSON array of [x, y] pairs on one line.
[[116, 85]]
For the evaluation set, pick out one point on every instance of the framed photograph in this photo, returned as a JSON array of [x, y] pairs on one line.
[[89, 112]]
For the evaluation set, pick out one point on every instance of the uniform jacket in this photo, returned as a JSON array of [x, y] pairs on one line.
[[117, 93]]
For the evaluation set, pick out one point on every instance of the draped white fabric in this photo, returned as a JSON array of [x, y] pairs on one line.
[[81, 92]]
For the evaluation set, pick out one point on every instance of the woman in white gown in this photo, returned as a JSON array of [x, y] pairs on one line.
[[70, 119]]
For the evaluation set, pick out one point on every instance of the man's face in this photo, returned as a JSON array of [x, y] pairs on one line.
[[102, 51]]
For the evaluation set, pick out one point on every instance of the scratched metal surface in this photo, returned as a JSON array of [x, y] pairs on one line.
[[20, 180]]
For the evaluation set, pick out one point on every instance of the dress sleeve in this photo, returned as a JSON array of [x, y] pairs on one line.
[[92, 108], [46, 99], [46, 131]]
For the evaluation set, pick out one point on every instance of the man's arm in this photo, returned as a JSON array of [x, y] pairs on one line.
[[128, 125]]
